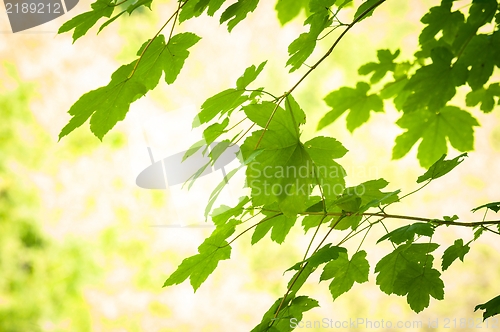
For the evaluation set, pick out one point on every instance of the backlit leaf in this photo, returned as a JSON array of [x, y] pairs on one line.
[[485, 97], [302, 47], [408, 232], [237, 12], [419, 283], [380, 69], [450, 123], [289, 9], [198, 267], [108, 105], [345, 272], [441, 167], [491, 308], [457, 250], [432, 86], [83, 22], [357, 101]]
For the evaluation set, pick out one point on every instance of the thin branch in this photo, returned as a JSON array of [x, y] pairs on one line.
[[396, 216], [302, 269], [349, 26]]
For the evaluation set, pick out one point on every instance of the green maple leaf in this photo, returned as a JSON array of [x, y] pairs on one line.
[[229, 99], [345, 272], [315, 204], [111, 103], [432, 86], [237, 12], [408, 232], [480, 13], [320, 5], [293, 309], [220, 104], [457, 250], [280, 173], [195, 8], [493, 206], [280, 226], [130, 9], [361, 198], [302, 47], [249, 76], [327, 173], [83, 22], [287, 10], [450, 123], [390, 266], [214, 131], [441, 167], [482, 54], [379, 69], [370, 192], [485, 97], [419, 283], [441, 19], [365, 6], [323, 255], [146, 3], [108, 105], [357, 101], [222, 214], [214, 249], [396, 91], [491, 308]]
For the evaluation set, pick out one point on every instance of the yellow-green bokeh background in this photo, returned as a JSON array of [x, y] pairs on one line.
[[77, 248]]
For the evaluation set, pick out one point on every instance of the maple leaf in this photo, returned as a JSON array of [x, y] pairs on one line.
[[435, 128], [485, 97], [107, 105], [491, 308], [237, 12], [287, 10], [83, 22], [441, 19], [482, 54], [302, 47], [346, 272], [356, 100], [408, 232], [214, 249], [380, 69], [229, 99], [419, 283], [457, 250], [432, 86]]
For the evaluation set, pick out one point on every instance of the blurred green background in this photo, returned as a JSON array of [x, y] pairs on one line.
[[77, 248]]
